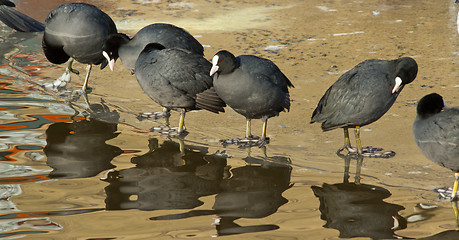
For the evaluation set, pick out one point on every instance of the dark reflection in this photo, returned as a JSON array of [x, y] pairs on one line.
[[358, 210], [252, 191], [169, 176], [79, 149]]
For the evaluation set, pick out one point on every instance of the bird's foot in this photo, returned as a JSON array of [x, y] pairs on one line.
[[246, 142], [350, 150], [372, 152], [154, 115], [76, 94], [60, 83], [169, 131], [445, 193], [368, 151]]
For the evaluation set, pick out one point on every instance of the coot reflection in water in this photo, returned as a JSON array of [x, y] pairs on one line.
[[358, 210], [79, 149], [169, 176], [252, 191]]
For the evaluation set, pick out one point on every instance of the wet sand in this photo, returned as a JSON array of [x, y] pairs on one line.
[[313, 43]]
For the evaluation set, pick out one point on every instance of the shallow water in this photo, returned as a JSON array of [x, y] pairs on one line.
[[69, 172]]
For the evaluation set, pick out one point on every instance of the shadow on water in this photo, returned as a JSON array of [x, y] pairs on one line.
[[22, 133], [253, 191], [358, 210], [78, 149], [174, 176], [167, 177]]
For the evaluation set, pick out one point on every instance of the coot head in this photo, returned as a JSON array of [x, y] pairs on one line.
[[430, 105], [111, 47], [406, 71], [223, 62]]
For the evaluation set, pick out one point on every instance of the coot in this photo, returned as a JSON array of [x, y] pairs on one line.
[[254, 87], [77, 31], [436, 132], [128, 50], [362, 95], [173, 78]]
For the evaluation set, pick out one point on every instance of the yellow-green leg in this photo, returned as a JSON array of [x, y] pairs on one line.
[[455, 186], [69, 65], [347, 140], [181, 127], [357, 139], [265, 126], [248, 131], [88, 71]]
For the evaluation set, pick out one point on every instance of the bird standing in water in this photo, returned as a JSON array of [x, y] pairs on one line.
[[175, 78], [362, 95], [436, 132], [254, 87], [76, 31]]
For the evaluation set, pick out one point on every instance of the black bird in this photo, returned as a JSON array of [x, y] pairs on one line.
[[128, 50], [254, 87], [173, 77], [17, 20], [362, 95], [77, 31], [436, 132]]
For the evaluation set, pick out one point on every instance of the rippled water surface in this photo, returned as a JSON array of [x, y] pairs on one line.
[[69, 170]]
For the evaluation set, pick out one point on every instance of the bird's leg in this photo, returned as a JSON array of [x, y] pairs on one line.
[[248, 131], [347, 143], [85, 84], [357, 139], [181, 127], [265, 126], [69, 67], [61, 82], [264, 140], [455, 187]]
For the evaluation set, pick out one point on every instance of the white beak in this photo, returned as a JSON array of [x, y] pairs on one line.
[[111, 62], [214, 68], [398, 84]]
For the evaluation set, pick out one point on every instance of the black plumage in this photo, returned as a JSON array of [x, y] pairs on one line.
[[17, 20], [172, 77], [363, 94], [121, 46], [77, 31], [254, 87], [436, 133]]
